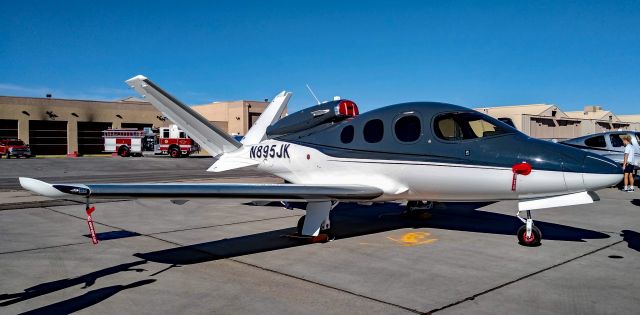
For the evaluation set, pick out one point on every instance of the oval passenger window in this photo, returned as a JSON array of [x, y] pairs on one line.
[[346, 136], [408, 128], [373, 131]]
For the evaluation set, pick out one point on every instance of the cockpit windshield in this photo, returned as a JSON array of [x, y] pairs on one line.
[[468, 125]]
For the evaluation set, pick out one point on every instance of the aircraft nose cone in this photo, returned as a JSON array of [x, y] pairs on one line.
[[600, 172]]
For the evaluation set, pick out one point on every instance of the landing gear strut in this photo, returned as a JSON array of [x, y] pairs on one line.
[[315, 226], [325, 234], [528, 234]]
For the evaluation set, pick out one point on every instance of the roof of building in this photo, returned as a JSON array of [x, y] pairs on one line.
[[23, 100], [132, 99], [596, 115], [630, 118], [530, 109]]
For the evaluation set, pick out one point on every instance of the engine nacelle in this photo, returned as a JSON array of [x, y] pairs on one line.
[[314, 116]]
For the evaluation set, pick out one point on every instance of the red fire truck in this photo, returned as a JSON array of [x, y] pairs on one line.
[[14, 147], [166, 140]]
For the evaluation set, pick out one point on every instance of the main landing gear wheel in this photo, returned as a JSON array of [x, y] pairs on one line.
[[325, 235], [528, 235]]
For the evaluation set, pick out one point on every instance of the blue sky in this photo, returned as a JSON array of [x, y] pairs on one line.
[[471, 53]]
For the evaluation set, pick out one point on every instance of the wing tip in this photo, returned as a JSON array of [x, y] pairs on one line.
[[39, 187], [139, 77]]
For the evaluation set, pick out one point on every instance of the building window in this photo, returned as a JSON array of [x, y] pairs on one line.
[[346, 136], [373, 131], [596, 142], [408, 128], [464, 126]]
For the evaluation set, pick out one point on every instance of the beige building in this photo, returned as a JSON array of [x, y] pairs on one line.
[[548, 121], [595, 119], [62, 126], [235, 117], [633, 119], [544, 121]]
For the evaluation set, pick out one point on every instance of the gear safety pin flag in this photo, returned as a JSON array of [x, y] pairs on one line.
[[92, 229]]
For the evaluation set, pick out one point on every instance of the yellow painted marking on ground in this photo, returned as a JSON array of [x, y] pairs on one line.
[[414, 239]]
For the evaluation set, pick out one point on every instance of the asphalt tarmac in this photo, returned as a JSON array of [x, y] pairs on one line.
[[229, 257]]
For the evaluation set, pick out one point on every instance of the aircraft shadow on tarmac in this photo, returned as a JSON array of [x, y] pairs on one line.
[[635, 202], [88, 280], [632, 238], [88, 299], [350, 220]]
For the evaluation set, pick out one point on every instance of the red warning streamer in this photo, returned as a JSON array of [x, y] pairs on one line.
[[92, 229], [523, 168]]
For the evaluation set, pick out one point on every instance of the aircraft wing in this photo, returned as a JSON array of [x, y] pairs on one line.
[[287, 192], [208, 136]]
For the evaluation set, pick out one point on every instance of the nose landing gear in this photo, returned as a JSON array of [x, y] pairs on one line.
[[528, 234]]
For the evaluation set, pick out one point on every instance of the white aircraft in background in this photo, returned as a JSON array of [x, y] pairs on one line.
[[329, 153]]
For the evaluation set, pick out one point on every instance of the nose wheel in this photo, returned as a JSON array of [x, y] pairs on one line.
[[528, 234]]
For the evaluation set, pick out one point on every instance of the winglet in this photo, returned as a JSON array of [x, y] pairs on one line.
[[270, 115], [40, 187]]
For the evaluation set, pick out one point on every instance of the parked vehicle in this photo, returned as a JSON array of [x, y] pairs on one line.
[[608, 144], [133, 142], [14, 148]]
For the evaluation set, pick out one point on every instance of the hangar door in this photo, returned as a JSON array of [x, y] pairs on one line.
[[48, 137], [8, 128], [90, 136], [541, 128]]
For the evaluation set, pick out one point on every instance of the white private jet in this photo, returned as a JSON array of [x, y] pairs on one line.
[[329, 153]]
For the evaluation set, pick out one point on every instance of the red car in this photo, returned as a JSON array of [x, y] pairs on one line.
[[14, 147]]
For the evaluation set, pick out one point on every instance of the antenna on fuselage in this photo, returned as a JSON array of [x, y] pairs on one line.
[[312, 94]]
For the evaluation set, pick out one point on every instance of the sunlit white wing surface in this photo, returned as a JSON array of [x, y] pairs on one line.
[[204, 190], [208, 136]]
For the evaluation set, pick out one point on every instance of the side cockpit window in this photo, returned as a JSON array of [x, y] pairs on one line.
[[346, 136], [373, 131], [616, 140], [407, 128], [596, 142], [464, 126]]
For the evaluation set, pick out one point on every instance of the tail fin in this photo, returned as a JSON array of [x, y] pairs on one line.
[[212, 139], [271, 114]]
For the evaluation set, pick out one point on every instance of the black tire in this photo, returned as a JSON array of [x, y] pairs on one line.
[[300, 225], [174, 153], [536, 236], [124, 151]]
